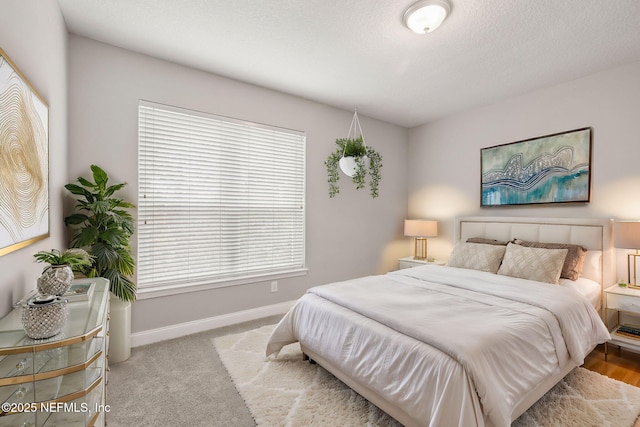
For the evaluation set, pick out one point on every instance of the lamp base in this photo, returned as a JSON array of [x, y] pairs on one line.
[[420, 252], [632, 259]]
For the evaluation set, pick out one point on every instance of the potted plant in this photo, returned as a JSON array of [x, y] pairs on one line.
[[104, 227], [355, 160], [57, 277]]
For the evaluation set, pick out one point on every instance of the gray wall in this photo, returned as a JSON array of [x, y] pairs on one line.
[[349, 236], [444, 156], [33, 35]]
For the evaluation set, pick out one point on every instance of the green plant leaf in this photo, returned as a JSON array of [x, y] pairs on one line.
[[129, 226], [361, 173], [125, 264], [100, 206], [120, 285], [127, 205], [106, 256], [99, 176], [85, 237], [113, 188], [75, 258], [332, 171], [354, 147], [77, 190], [75, 219], [86, 182], [113, 237]]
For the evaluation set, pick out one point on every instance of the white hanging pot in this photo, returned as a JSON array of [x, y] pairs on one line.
[[348, 165]]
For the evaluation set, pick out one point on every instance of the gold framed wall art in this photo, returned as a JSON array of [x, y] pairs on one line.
[[24, 160]]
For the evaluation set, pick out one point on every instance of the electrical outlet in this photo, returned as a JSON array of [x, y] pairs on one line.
[[274, 286]]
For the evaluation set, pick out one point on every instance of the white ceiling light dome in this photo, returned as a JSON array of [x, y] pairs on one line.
[[425, 16]]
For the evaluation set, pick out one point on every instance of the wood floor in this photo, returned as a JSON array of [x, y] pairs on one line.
[[622, 365]]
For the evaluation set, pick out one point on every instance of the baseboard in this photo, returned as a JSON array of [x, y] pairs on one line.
[[175, 331]]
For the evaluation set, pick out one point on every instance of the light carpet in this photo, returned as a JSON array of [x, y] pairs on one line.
[[287, 391]]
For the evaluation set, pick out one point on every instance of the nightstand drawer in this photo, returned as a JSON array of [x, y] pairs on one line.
[[623, 303]]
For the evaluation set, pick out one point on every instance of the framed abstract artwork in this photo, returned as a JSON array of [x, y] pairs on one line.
[[24, 160], [547, 169]]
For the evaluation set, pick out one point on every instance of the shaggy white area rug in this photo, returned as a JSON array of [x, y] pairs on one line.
[[287, 391]]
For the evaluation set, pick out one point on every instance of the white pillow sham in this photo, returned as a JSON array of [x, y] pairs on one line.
[[542, 265], [592, 268], [476, 256]]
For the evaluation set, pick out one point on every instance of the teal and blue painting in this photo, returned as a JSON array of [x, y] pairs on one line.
[[548, 169]]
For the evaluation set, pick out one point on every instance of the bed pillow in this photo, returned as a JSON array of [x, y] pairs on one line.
[[476, 256], [573, 264], [592, 268], [486, 241], [539, 264]]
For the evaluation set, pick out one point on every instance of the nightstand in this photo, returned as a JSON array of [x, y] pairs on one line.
[[408, 262], [622, 300]]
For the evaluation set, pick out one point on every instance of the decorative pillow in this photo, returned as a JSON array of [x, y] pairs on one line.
[[476, 256], [573, 264], [486, 241], [542, 265]]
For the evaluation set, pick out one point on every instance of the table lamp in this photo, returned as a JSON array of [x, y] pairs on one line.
[[420, 229], [626, 235]]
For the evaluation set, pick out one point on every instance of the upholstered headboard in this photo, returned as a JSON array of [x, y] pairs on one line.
[[593, 234]]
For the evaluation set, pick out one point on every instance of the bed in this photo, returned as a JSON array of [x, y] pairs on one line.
[[463, 345]]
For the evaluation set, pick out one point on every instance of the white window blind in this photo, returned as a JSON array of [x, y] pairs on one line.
[[219, 198]]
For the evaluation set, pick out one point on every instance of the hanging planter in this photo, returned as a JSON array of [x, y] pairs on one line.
[[355, 160]]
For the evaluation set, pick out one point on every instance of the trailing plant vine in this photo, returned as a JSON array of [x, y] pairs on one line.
[[375, 164]]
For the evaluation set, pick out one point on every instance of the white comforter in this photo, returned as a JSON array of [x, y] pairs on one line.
[[447, 346]]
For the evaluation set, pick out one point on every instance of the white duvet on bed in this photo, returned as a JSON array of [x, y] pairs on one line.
[[447, 346], [588, 288]]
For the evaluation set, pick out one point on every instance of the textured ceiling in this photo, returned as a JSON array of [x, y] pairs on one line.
[[357, 53]]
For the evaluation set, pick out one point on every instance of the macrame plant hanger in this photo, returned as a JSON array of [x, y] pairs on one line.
[[348, 164], [354, 128]]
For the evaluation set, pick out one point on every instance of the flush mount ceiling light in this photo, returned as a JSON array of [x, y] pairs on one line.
[[425, 16]]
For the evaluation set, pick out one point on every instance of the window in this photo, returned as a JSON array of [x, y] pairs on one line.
[[221, 201]]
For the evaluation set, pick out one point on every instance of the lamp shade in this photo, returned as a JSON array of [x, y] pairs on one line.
[[420, 228], [626, 234]]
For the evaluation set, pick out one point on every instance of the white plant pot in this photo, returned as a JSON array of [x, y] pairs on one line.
[[119, 330], [349, 165]]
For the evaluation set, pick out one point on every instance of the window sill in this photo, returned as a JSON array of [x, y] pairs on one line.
[[163, 291]]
